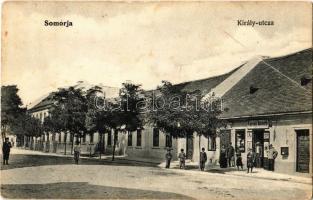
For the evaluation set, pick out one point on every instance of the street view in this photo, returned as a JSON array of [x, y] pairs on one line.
[[156, 100]]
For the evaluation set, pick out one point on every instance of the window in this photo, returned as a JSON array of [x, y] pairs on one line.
[[211, 143], [156, 134], [60, 135], [306, 79], [130, 139], [64, 137], [138, 137], [168, 141], [91, 137], [109, 139], [253, 89], [240, 140], [84, 138]]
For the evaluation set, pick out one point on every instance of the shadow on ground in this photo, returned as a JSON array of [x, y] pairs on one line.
[[21, 160], [81, 190]]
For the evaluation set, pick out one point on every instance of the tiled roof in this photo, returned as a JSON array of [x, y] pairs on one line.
[[204, 85], [277, 85]]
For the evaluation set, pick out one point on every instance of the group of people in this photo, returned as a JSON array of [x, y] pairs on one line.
[[227, 157], [254, 158], [182, 159], [181, 156]]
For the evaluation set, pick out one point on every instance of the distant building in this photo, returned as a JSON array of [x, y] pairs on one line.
[[55, 142]]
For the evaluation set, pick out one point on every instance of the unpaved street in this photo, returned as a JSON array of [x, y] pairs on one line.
[[47, 176]]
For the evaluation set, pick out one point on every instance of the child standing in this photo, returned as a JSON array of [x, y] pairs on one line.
[[182, 158]]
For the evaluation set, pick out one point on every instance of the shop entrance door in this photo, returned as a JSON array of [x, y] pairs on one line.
[[303, 151], [258, 146]]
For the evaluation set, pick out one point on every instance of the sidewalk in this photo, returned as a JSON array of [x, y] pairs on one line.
[[257, 172]]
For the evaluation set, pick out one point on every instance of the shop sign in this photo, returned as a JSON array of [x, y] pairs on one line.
[[258, 123]]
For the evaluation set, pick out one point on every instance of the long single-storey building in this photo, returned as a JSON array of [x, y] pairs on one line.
[[265, 101]]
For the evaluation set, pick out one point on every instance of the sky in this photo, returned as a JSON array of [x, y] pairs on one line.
[[145, 43]]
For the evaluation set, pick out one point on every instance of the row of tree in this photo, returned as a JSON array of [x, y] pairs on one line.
[[78, 112]]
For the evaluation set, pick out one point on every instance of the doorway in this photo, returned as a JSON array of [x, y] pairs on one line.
[[189, 147], [258, 146], [225, 138], [303, 150]]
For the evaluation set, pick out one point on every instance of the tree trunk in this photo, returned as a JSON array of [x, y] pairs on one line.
[[3, 133], [72, 136], [114, 143], [100, 145], [65, 137]]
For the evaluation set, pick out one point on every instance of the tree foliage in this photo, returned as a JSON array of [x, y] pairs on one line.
[[11, 108], [182, 113], [68, 114]]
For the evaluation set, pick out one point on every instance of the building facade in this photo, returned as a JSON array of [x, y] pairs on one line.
[[265, 101]]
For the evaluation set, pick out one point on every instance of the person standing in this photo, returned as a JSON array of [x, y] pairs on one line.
[[258, 154], [203, 159], [168, 157], [230, 155], [239, 159], [76, 152], [6, 148], [223, 158], [250, 160], [272, 154], [182, 159]]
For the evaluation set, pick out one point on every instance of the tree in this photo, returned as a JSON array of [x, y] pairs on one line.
[[26, 125], [131, 97], [97, 119], [69, 112], [10, 108], [180, 113], [124, 114]]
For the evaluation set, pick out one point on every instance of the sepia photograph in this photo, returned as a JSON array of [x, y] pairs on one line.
[[198, 100]]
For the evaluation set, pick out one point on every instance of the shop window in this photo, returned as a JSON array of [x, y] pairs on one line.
[[139, 138], [130, 139], [109, 139], [156, 134], [211, 143], [168, 141], [240, 140]]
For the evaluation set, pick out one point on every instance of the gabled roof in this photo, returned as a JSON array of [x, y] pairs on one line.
[[276, 83]]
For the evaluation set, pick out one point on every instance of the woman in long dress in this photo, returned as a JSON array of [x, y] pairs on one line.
[[223, 159]]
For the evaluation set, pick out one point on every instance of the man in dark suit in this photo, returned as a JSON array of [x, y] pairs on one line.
[[6, 151], [203, 159]]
